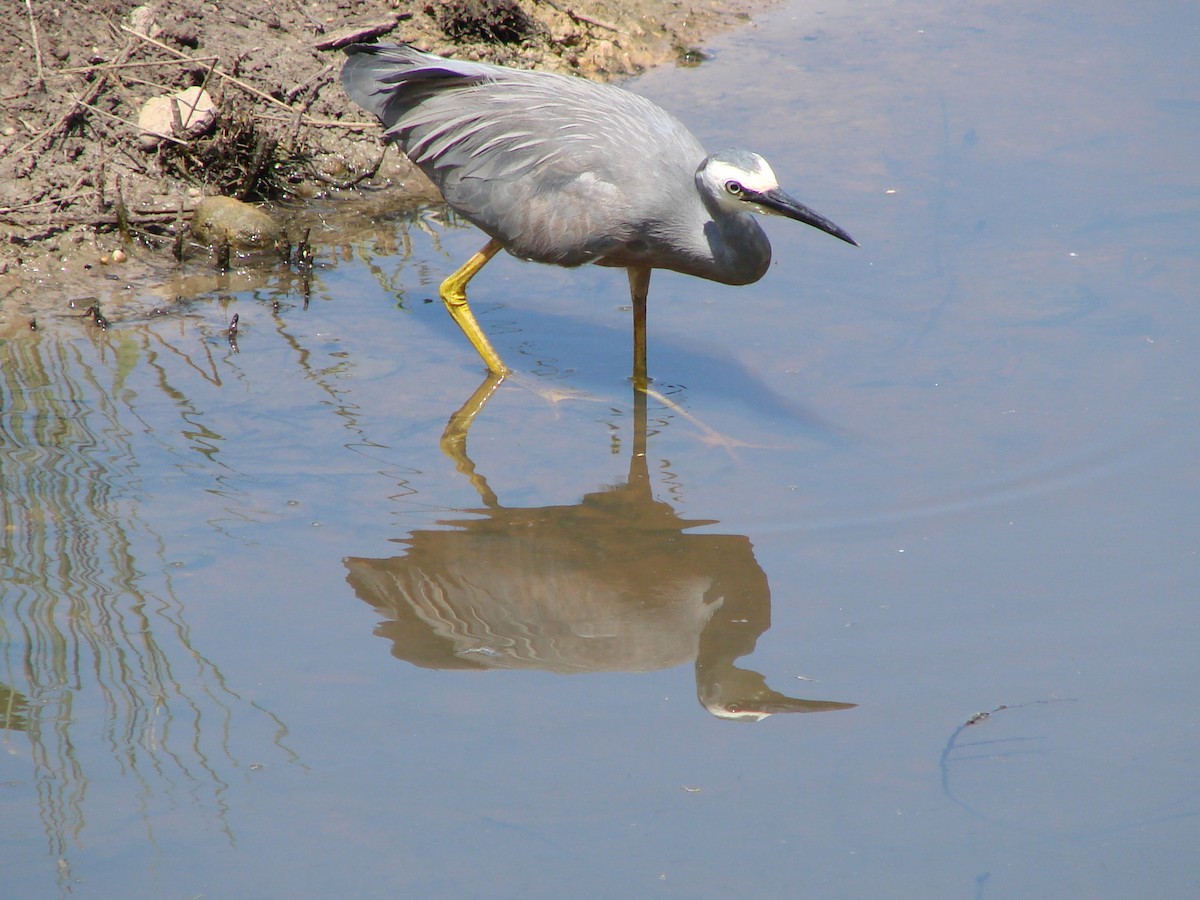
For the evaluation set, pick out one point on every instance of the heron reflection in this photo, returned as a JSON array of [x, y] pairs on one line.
[[616, 582]]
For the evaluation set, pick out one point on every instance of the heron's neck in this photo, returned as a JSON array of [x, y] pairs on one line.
[[740, 250]]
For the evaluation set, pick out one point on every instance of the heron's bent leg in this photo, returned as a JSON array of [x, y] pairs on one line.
[[639, 289], [454, 295]]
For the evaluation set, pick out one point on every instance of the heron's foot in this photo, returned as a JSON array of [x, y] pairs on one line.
[[708, 436], [554, 394]]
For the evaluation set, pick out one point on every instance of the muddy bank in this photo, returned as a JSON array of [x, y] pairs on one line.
[[81, 174]]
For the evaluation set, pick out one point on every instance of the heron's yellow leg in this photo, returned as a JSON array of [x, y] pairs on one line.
[[454, 295], [639, 288]]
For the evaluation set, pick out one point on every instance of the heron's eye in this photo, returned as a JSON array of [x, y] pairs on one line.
[[734, 188]]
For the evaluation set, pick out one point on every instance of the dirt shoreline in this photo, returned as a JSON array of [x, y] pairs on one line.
[[76, 181]]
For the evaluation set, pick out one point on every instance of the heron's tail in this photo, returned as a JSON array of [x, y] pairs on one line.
[[390, 79]]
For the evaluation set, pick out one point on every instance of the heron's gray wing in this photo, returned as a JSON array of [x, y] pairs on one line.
[[387, 79], [560, 169]]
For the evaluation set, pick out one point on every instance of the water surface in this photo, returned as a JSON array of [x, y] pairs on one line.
[[261, 634]]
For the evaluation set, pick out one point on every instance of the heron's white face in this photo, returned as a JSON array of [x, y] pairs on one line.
[[733, 185]]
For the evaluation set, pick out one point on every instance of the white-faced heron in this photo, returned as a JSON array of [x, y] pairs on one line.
[[567, 171]]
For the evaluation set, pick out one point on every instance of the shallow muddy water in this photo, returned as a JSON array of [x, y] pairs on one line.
[[268, 629]]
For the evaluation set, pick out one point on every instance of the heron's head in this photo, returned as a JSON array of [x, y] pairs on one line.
[[741, 181]]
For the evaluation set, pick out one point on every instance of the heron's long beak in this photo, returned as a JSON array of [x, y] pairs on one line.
[[776, 201]]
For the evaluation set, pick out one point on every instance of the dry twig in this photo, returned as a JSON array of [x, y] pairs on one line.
[[37, 47], [249, 88], [109, 67], [586, 19], [66, 119], [134, 125]]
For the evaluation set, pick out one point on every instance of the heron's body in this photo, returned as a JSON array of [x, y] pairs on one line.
[[566, 171]]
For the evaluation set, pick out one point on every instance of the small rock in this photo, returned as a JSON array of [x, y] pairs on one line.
[[141, 19], [220, 220], [197, 113]]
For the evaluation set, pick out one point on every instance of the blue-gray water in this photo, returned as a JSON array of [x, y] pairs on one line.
[[260, 637]]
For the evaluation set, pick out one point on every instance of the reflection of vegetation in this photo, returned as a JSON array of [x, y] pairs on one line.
[[102, 673], [12, 708], [120, 714], [100, 676]]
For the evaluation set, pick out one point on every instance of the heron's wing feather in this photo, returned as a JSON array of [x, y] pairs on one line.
[[560, 169]]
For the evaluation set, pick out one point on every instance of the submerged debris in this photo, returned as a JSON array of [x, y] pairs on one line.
[[93, 313]]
